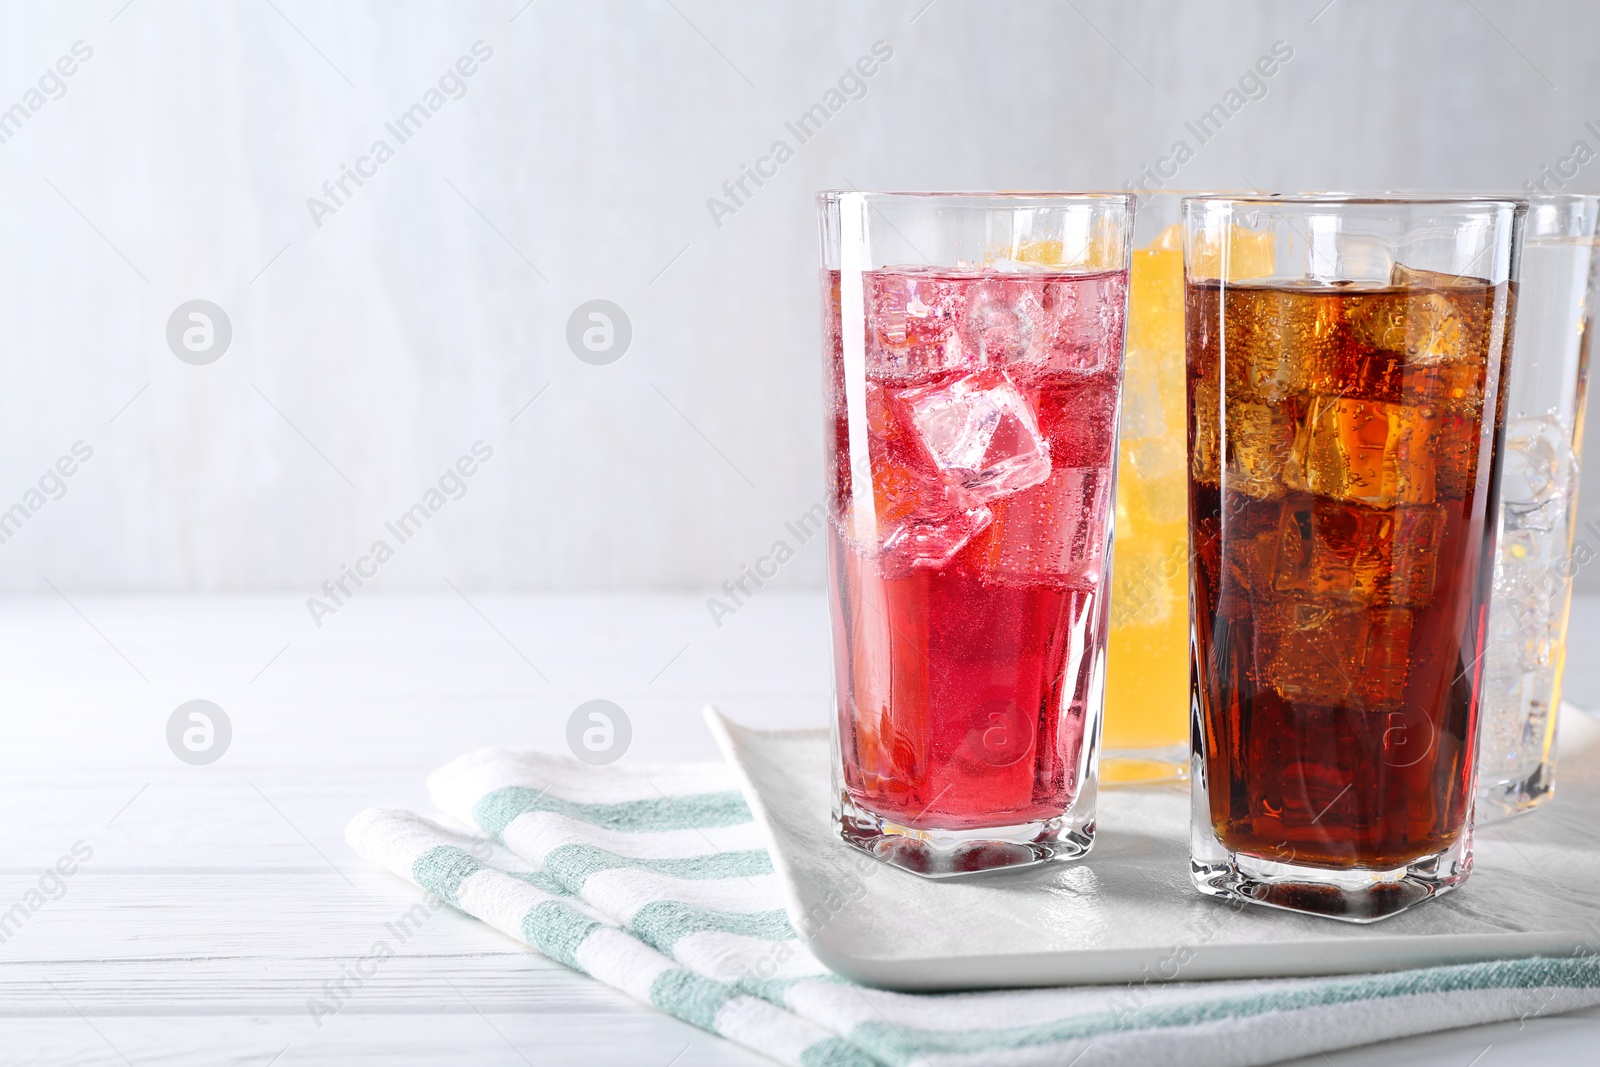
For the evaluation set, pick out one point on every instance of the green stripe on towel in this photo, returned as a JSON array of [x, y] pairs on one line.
[[690, 997], [557, 929], [573, 864], [495, 811], [442, 869], [662, 922]]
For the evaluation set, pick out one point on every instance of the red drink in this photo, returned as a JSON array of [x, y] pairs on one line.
[[968, 579]]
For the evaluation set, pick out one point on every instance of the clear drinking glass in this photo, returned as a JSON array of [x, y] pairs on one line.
[[973, 351], [1146, 734], [1344, 447], [1538, 504]]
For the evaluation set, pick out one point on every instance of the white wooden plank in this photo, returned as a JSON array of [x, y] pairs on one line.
[[351, 1039]]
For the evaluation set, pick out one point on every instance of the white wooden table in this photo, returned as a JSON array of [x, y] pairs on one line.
[[219, 899]]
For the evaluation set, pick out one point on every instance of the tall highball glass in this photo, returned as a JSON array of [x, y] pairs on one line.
[[1538, 504], [973, 356], [1146, 733], [1347, 412]]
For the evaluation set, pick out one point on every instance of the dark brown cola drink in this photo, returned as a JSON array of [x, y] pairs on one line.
[[1342, 439]]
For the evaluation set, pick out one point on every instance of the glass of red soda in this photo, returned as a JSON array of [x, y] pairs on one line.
[[973, 347]]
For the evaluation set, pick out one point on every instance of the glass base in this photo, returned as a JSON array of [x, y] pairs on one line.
[[1144, 766], [951, 853], [1504, 799], [1355, 896]]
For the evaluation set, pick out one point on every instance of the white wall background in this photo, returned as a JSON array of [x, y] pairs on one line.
[[427, 311]]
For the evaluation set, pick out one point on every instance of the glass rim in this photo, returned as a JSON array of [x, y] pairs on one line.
[[1531, 198], [833, 196], [1197, 191], [1383, 199]]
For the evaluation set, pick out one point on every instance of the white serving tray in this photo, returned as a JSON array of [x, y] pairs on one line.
[[1128, 912]]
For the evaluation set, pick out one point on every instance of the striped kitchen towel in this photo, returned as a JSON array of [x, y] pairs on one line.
[[654, 879]]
